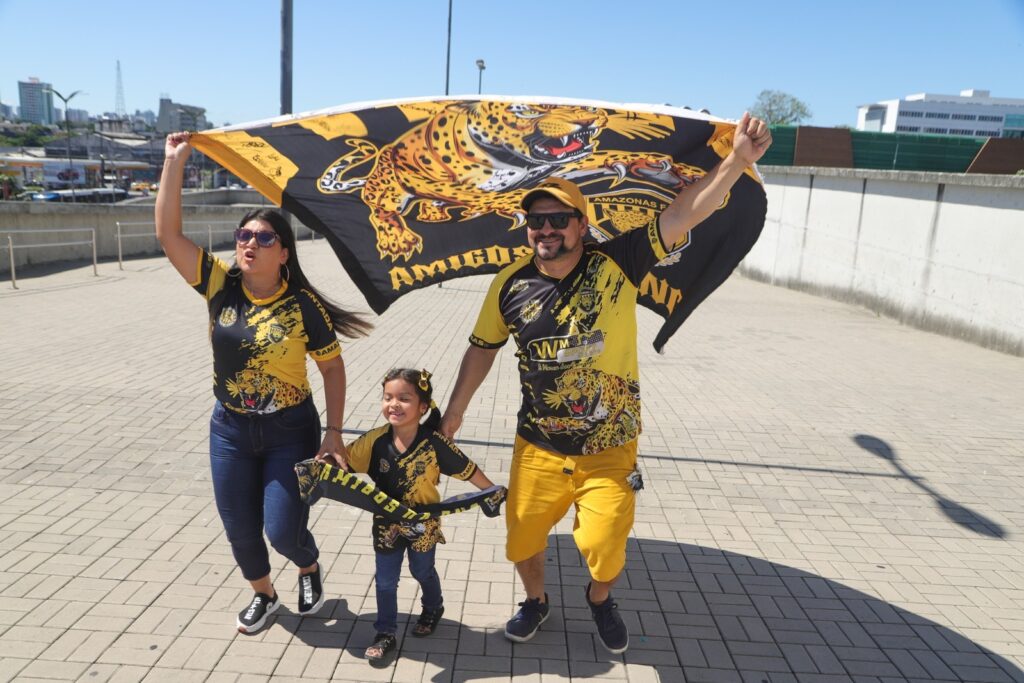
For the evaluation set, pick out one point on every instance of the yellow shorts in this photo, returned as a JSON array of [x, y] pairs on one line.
[[539, 494]]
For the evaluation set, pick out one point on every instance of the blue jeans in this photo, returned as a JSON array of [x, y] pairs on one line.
[[252, 460], [389, 570]]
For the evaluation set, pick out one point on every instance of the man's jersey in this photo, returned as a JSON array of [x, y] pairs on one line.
[[260, 345], [577, 342], [411, 477]]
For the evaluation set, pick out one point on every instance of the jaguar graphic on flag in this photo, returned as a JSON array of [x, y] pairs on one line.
[[411, 193]]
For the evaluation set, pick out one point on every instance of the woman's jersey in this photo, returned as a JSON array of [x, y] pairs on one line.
[[260, 345], [411, 477], [577, 342]]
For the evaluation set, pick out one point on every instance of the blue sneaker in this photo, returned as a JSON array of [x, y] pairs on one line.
[[524, 625], [610, 628]]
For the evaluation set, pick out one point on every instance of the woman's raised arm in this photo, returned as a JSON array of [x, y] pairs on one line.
[[181, 251]]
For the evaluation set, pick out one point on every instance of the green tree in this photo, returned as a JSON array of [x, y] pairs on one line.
[[8, 185], [34, 136], [779, 108]]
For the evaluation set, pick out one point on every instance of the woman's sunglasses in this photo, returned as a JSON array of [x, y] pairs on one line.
[[264, 238], [558, 221]]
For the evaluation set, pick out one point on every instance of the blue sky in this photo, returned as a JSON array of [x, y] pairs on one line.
[[224, 54]]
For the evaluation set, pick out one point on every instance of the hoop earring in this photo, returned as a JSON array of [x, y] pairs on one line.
[[287, 275]]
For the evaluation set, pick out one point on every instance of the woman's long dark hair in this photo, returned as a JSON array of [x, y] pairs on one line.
[[420, 380], [346, 323]]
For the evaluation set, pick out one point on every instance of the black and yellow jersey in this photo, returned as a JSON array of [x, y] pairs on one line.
[[411, 477], [260, 345], [577, 342]]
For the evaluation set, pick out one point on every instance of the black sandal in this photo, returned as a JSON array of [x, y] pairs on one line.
[[384, 646], [427, 623]]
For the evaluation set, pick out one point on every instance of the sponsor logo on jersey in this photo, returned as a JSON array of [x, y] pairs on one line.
[[568, 348], [518, 286]]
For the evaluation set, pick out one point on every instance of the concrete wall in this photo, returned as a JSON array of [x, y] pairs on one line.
[[34, 223], [940, 251], [944, 252]]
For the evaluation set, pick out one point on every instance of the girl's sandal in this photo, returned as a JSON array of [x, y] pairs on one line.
[[427, 623], [380, 653]]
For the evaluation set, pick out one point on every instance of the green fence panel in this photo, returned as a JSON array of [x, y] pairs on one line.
[[894, 152], [783, 146], [888, 151], [907, 152]]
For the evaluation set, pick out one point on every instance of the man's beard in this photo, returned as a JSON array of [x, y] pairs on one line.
[[561, 251]]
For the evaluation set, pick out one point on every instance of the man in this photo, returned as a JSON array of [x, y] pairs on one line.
[[572, 310]]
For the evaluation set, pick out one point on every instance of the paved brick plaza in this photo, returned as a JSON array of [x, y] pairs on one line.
[[830, 497]]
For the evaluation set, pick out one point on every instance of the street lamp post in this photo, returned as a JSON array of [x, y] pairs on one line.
[[448, 57], [67, 121], [480, 80]]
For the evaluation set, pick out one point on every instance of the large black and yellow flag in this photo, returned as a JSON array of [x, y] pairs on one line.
[[410, 193]]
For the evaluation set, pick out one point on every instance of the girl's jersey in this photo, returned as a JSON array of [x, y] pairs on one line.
[[411, 477], [260, 345]]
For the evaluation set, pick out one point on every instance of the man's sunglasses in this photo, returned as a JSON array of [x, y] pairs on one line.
[[558, 221], [264, 238]]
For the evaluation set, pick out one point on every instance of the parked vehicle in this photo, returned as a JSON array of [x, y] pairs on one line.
[[94, 195]]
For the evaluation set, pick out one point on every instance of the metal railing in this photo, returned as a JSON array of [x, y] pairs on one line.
[[11, 246], [212, 228], [210, 231]]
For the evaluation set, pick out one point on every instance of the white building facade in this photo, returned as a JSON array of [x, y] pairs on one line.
[[973, 113]]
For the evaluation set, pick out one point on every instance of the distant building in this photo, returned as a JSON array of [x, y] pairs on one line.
[[147, 116], [175, 117], [78, 115], [973, 112], [110, 122], [111, 146], [7, 112], [143, 121], [36, 102]]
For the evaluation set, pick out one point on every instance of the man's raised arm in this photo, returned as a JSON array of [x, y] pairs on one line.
[[698, 201]]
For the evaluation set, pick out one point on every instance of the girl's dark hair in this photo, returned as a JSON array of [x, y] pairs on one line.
[[420, 380], [348, 324]]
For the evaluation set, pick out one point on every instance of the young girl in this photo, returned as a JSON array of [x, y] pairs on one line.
[[405, 459]]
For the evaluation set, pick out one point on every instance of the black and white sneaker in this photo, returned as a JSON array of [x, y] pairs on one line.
[[311, 593], [253, 617]]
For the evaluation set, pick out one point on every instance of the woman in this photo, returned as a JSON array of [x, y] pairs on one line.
[[265, 318]]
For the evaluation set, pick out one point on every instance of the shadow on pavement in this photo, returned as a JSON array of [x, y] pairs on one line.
[[697, 614], [330, 628], [727, 616], [956, 512]]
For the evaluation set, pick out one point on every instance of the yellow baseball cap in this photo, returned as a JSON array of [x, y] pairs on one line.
[[561, 189]]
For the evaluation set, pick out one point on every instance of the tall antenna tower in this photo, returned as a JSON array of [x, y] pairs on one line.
[[119, 108]]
